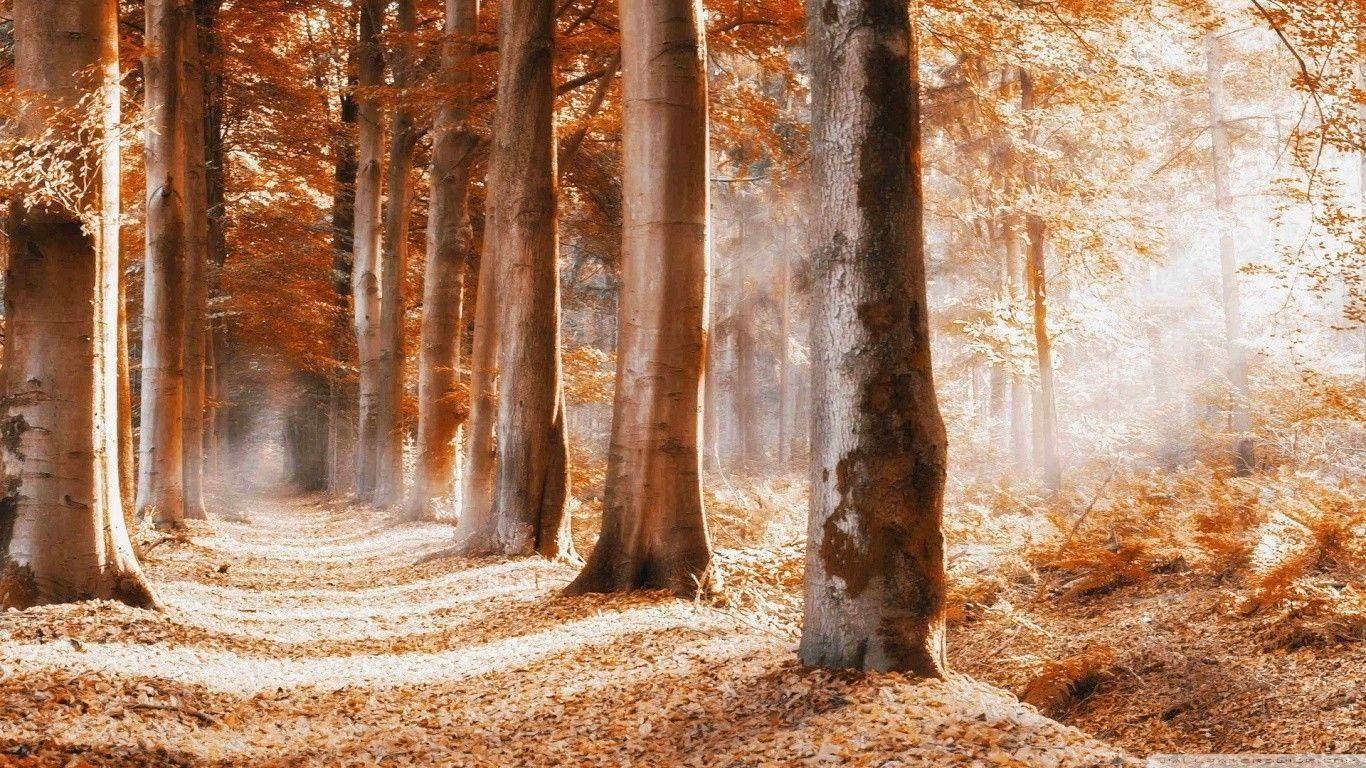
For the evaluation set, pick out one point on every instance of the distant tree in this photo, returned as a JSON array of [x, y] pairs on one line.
[[654, 532], [874, 596], [62, 532]]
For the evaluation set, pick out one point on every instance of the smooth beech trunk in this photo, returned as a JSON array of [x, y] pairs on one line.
[[527, 514], [161, 480], [62, 532], [654, 530], [403, 137], [196, 267], [875, 586], [1240, 417], [450, 239], [341, 386], [365, 277]]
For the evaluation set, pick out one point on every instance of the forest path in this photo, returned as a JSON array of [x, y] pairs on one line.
[[299, 632]]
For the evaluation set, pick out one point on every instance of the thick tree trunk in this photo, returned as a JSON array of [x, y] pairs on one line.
[[365, 277], [196, 267], [528, 511], [654, 532], [1240, 417], [875, 554], [62, 533], [161, 445], [450, 239], [1036, 278], [403, 137]]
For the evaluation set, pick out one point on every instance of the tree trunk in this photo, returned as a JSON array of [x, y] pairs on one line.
[[365, 278], [402, 144], [784, 358], [1240, 418], [528, 510], [449, 241], [62, 533], [874, 595], [161, 480], [1019, 394], [196, 267], [1036, 277], [341, 388], [654, 532]]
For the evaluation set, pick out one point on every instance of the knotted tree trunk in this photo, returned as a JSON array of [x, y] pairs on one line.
[[654, 532], [62, 532], [875, 552]]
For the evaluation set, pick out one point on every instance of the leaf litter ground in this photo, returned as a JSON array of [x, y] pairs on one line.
[[300, 633]]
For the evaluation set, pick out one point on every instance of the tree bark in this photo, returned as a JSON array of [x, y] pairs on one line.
[[874, 596], [450, 239], [161, 481], [62, 532], [196, 266], [1240, 417], [394, 266], [654, 530], [365, 277], [527, 514], [1036, 278], [341, 387], [1019, 394]]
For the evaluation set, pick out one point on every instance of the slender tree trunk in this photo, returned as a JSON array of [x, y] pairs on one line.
[[654, 531], [476, 485], [1019, 393], [62, 533], [1036, 276], [528, 511], [1240, 418], [875, 552], [365, 277], [341, 387], [196, 267], [394, 266], [449, 241], [215, 179], [161, 446], [784, 359]]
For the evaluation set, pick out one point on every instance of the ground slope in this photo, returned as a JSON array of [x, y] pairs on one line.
[[300, 633]]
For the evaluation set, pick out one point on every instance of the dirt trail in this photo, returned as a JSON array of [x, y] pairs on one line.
[[302, 633]]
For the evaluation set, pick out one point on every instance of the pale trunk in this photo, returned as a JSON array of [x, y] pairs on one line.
[[62, 532], [449, 241], [161, 445], [1240, 418], [196, 268], [654, 531], [389, 429], [874, 596], [1019, 393], [528, 514], [365, 278], [1036, 278]]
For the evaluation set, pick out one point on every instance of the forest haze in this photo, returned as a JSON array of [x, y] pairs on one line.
[[757, 382]]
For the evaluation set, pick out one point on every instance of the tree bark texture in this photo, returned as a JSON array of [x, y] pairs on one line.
[[654, 530], [450, 239], [527, 514], [875, 580], [62, 531], [161, 481], [365, 276], [196, 267], [393, 267]]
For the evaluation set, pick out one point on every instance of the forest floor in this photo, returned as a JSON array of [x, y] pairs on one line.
[[304, 633]]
